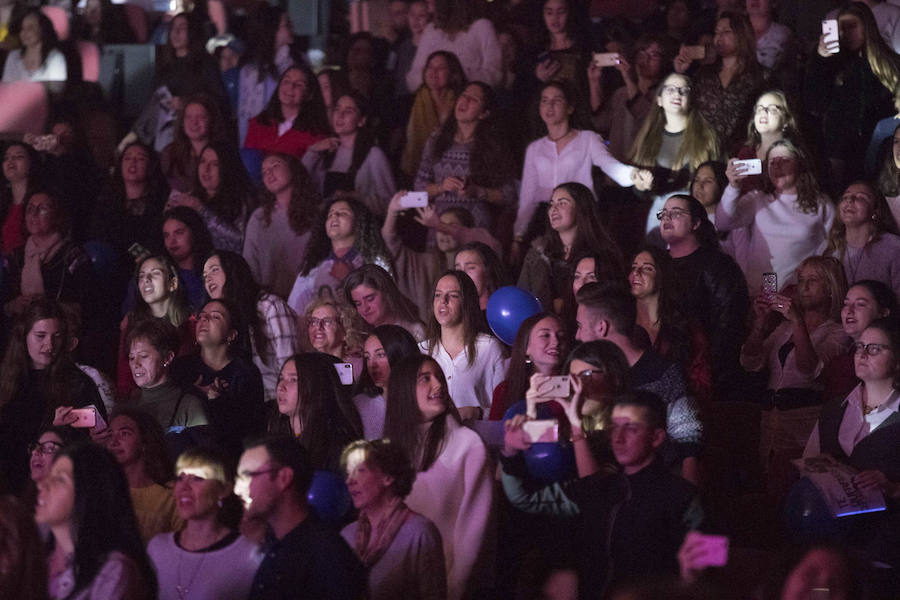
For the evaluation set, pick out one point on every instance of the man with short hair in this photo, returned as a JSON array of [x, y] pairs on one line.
[[304, 558], [608, 312], [634, 521]]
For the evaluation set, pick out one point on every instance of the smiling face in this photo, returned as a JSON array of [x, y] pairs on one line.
[[585, 272], [546, 344], [554, 108], [323, 327], [471, 263], [196, 122], [214, 278], [214, 325], [880, 367], [642, 277], [286, 390], [857, 205], [768, 116], [676, 225], [178, 240], [447, 302], [154, 281], [430, 392], [860, 308], [340, 222], [292, 90], [561, 211], [44, 341], [41, 215], [134, 165], [675, 95], [197, 492], [56, 494], [148, 366], [370, 304], [48, 445], [208, 171], [347, 117], [16, 164], [470, 105]]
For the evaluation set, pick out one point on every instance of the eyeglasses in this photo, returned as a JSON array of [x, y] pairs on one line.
[[326, 323], [248, 475], [671, 90], [870, 349], [47, 448], [588, 373], [772, 109], [672, 213]]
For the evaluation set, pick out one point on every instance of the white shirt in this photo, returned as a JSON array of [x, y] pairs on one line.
[[779, 235], [53, 69], [477, 49], [772, 44], [545, 168], [472, 385], [855, 426]]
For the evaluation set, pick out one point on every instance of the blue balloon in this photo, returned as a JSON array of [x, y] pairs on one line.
[[328, 495], [102, 256], [550, 461], [507, 308]]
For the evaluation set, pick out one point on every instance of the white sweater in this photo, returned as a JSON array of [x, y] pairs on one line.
[[456, 494], [778, 236], [545, 168], [477, 49]]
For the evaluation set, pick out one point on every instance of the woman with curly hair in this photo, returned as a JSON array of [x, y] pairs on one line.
[[464, 163], [786, 222], [272, 323], [39, 58], [346, 237], [220, 194], [671, 333], [575, 230], [864, 237], [198, 124], [279, 230], [850, 87]]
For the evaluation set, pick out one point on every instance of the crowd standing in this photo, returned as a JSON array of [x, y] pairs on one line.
[[250, 337]]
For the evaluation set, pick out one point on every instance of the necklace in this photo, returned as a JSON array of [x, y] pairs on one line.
[[556, 139], [183, 590]]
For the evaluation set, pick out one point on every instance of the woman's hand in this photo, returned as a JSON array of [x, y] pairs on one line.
[[327, 145], [533, 396], [394, 206], [573, 406], [452, 184], [214, 389], [469, 413], [786, 306], [63, 416], [624, 67], [761, 306], [515, 439], [827, 49], [682, 61], [179, 199], [427, 217], [735, 172], [642, 179], [546, 69], [594, 74], [872, 479]]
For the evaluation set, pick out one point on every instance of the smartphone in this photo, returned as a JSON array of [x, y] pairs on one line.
[[714, 549], [769, 284], [606, 59], [830, 32], [138, 251], [345, 372], [695, 52], [414, 200], [84, 417], [555, 387], [545, 430], [752, 166]]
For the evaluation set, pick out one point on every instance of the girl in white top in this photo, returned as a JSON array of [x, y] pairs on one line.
[[456, 29], [472, 361], [564, 154], [38, 59], [207, 558], [453, 486], [784, 224]]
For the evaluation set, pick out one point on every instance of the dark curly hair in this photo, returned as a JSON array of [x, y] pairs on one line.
[[230, 199], [313, 116], [305, 198], [387, 457], [367, 239]]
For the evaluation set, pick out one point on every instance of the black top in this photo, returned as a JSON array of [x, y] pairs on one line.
[[312, 561], [880, 450]]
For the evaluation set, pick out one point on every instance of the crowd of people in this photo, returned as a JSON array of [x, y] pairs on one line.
[[249, 337]]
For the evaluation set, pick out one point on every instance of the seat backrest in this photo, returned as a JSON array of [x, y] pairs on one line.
[[23, 107], [90, 60], [137, 20], [60, 21]]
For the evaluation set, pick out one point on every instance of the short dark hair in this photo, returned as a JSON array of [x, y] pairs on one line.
[[653, 405], [286, 452], [158, 332], [387, 457], [613, 301], [882, 293]]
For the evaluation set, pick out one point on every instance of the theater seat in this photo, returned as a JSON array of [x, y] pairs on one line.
[[60, 21], [90, 60], [23, 107], [137, 20]]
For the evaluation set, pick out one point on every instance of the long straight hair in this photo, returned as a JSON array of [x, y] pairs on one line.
[[520, 369], [398, 343], [305, 198], [230, 199], [883, 61], [313, 116], [882, 222], [472, 318], [809, 196], [178, 310], [242, 292], [403, 419]]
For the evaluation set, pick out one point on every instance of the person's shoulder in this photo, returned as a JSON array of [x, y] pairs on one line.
[[161, 544], [422, 528], [481, 26]]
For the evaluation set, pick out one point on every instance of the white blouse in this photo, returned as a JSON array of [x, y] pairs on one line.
[[472, 385]]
